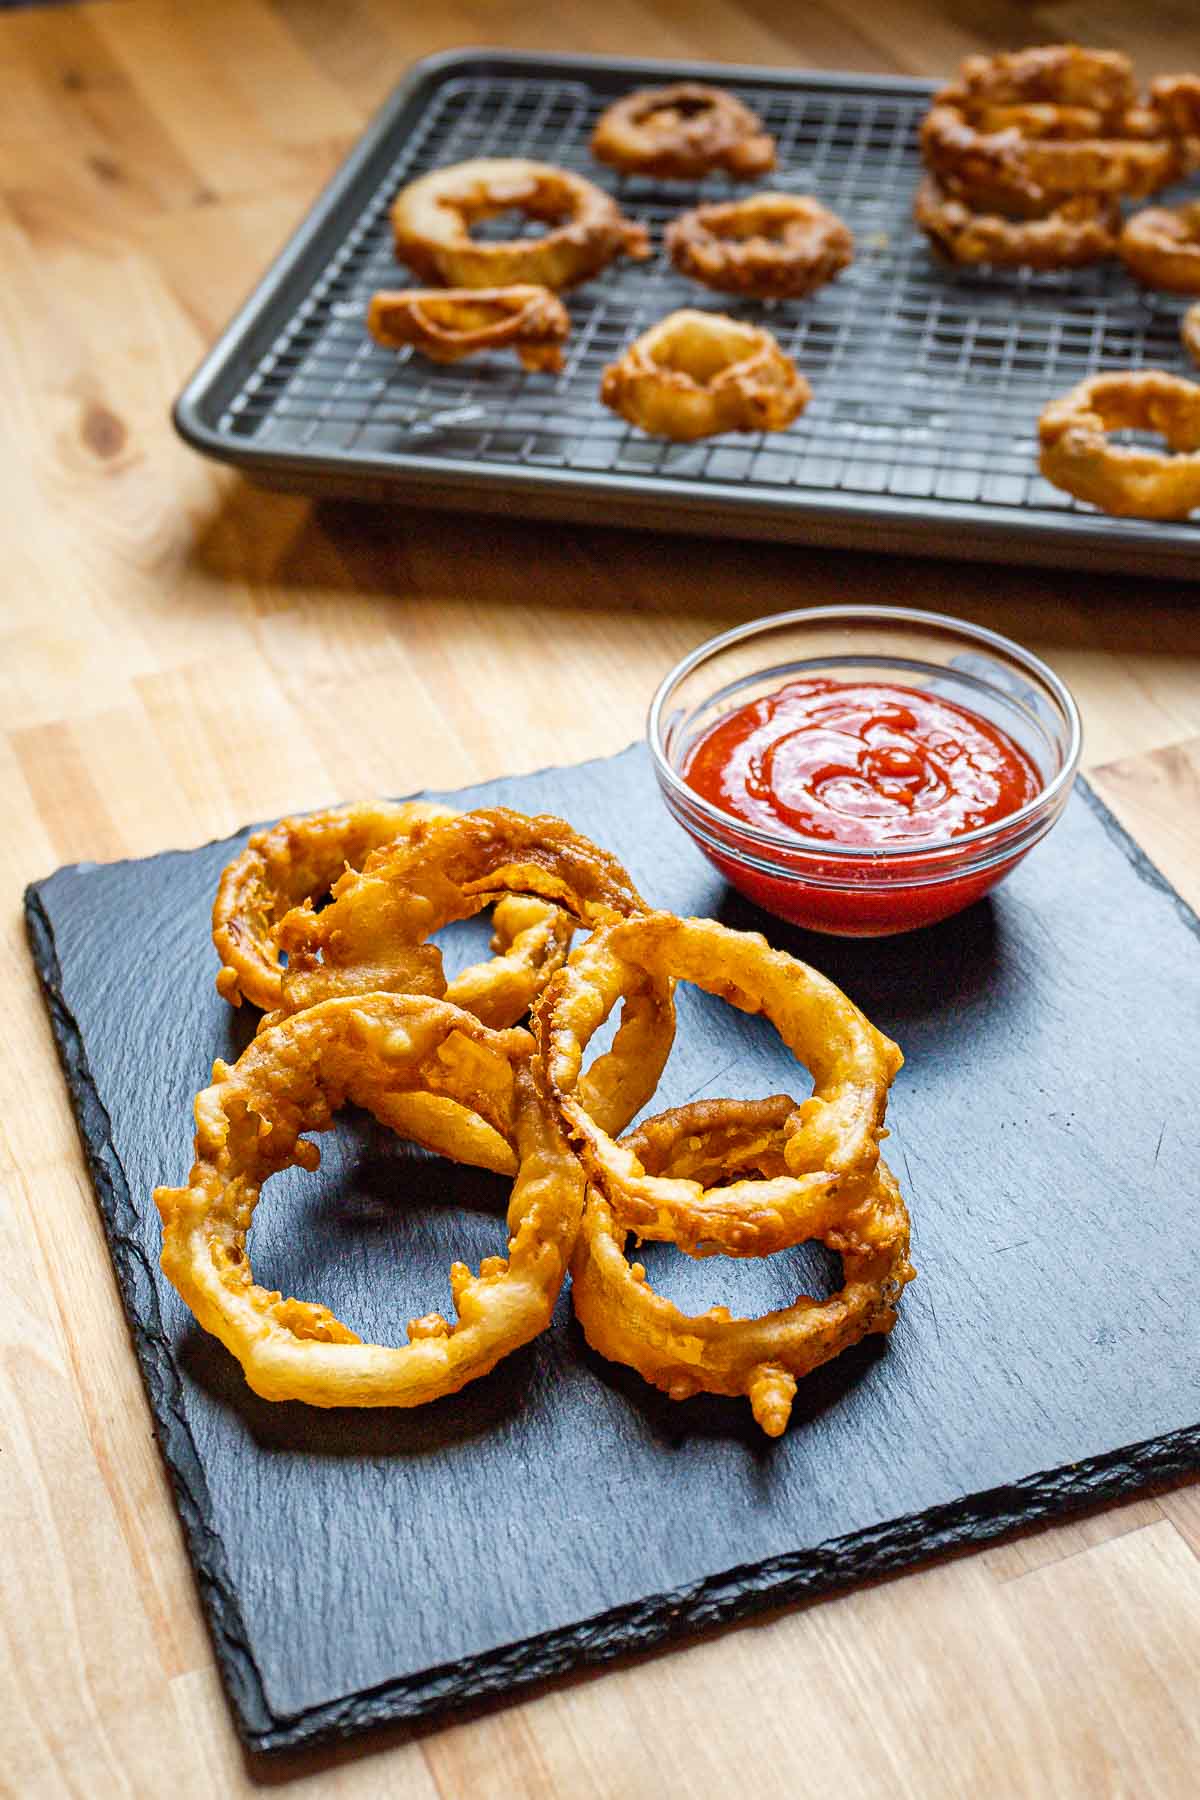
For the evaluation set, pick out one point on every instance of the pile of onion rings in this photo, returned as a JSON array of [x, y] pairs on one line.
[[362, 1012], [1029, 152]]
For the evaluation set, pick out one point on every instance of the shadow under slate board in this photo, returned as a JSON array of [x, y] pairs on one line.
[[361, 1567]]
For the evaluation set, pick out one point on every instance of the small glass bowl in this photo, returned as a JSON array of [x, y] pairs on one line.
[[852, 890]]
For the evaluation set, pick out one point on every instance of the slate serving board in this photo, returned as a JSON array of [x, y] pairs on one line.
[[365, 1567]]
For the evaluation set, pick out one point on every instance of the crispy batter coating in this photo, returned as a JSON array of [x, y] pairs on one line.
[[1076, 453], [432, 219], [1161, 246], [373, 936], [625, 1320], [1060, 74], [831, 1139], [772, 246], [371, 1050], [296, 863], [707, 1140], [298, 859], [696, 374], [1075, 232], [448, 324], [1176, 101], [1010, 168], [682, 132], [362, 1020]]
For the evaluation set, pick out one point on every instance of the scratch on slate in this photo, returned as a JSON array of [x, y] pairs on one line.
[[908, 1180], [1019, 1245], [707, 1082], [1162, 1134]]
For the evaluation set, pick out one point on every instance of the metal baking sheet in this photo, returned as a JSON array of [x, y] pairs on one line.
[[927, 381]]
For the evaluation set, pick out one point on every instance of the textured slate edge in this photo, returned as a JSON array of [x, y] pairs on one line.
[[1137, 858], [720, 1599], [151, 1345]]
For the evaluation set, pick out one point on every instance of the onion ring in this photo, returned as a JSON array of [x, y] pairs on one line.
[[706, 1140], [832, 1138], [1076, 232], [696, 374], [1076, 454], [1161, 247], [1062, 74], [431, 220], [1009, 167], [293, 1079], [774, 246], [298, 860], [283, 865], [372, 936], [448, 324], [1175, 99], [627, 1322], [682, 132], [1189, 332]]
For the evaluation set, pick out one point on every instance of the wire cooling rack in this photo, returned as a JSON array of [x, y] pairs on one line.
[[927, 382]]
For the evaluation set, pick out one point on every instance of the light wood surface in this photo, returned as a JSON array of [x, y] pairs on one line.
[[179, 653]]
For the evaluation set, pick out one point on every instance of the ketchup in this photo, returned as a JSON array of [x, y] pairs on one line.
[[874, 764]]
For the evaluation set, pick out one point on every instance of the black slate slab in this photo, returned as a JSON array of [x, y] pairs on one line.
[[364, 1567]]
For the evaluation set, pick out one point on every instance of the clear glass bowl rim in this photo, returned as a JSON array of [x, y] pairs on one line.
[[1047, 801]]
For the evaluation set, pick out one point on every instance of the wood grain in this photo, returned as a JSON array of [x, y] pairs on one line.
[[179, 653]]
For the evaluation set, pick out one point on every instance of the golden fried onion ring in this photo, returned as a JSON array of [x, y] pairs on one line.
[[1077, 455], [372, 937], [448, 324], [624, 1320], [832, 1138], [1059, 74], [432, 217], [283, 865], [774, 246], [1161, 246], [1076, 232], [297, 862], [682, 132], [1175, 100], [1189, 332], [1010, 166], [293, 1079], [696, 374]]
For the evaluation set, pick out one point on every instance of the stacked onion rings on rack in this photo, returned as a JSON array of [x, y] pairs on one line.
[[1028, 158], [361, 1011], [1029, 152]]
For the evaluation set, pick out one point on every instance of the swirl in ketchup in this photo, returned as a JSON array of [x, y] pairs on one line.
[[870, 764], [861, 763]]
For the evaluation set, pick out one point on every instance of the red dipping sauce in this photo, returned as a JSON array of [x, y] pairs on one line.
[[871, 764]]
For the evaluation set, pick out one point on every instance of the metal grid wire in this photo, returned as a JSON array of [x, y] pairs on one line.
[[927, 382]]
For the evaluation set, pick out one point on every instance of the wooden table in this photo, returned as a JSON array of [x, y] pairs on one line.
[[180, 653]]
